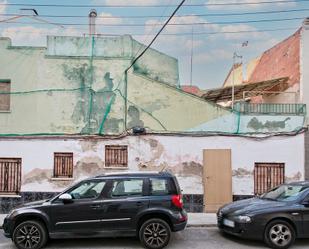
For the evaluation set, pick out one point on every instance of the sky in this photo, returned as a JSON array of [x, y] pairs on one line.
[[218, 30]]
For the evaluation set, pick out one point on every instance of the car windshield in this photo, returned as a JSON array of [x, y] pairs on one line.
[[284, 193]]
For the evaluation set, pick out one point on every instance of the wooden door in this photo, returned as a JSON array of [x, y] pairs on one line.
[[217, 178]]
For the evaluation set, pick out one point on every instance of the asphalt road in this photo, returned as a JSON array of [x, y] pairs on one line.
[[193, 238]]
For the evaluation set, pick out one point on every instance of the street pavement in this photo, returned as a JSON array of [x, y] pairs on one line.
[[193, 238]]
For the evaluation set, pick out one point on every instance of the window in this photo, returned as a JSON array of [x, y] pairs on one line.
[[116, 156], [131, 187], [159, 187], [10, 175], [285, 192], [63, 165], [267, 176], [88, 190], [5, 86]]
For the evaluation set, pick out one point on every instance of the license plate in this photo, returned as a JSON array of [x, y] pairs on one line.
[[228, 223]]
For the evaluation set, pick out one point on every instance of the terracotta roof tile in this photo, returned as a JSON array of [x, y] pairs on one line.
[[282, 60]]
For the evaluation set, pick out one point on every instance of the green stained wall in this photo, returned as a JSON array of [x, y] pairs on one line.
[[78, 85], [161, 107]]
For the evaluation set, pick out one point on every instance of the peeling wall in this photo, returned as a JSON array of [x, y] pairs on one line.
[[62, 89], [181, 155]]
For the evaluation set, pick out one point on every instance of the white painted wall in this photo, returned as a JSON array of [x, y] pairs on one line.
[[157, 152]]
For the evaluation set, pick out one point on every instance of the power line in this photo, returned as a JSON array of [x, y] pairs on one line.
[[148, 6], [166, 34], [169, 24], [156, 36], [176, 16]]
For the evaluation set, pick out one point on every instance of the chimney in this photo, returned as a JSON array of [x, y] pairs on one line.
[[92, 17]]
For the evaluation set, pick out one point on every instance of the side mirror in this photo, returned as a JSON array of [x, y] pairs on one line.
[[66, 198], [305, 203]]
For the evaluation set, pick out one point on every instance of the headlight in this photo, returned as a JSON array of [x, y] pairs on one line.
[[243, 219]]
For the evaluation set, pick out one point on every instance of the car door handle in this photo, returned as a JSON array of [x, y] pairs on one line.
[[139, 204], [96, 206]]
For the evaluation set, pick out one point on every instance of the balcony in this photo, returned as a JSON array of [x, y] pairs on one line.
[[275, 109]]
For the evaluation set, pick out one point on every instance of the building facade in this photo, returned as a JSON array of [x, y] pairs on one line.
[[71, 110]]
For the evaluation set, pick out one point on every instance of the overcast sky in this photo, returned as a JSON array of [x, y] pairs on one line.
[[212, 53]]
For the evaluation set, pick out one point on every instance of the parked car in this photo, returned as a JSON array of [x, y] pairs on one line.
[[147, 205], [278, 217]]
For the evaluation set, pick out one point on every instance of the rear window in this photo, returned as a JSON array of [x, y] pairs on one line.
[[162, 186]]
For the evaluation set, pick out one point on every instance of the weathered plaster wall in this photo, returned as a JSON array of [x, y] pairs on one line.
[[59, 90], [161, 107], [181, 155], [164, 108], [52, 95], [153, 64]]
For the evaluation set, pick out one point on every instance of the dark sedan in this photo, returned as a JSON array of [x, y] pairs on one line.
[[278, 217]]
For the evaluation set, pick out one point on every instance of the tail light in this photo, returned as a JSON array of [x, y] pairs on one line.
[[177, 201]]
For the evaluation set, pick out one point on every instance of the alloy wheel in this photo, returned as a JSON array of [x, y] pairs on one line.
[[155, 235], [280, 235], [28, 236]]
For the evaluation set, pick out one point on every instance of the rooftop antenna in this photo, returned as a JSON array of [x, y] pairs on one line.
[[92, 16]]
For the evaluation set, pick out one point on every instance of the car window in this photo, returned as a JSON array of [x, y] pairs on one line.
[[285, 193], [159, 186], [129, 187], [87, 190]]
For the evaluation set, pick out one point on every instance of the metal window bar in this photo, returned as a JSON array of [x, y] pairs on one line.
[[10, 175], [116, 156], [268, 176], [63, 165], [265, 108]]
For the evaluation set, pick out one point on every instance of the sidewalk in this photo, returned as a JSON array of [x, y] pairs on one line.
[[194, 220]]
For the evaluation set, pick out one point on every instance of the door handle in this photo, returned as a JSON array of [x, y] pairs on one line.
[[139, 204], [95, 206]]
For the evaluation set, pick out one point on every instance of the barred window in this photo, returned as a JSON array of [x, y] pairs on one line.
[[10, 175], [116, 156], [63, 165], [267, 176]]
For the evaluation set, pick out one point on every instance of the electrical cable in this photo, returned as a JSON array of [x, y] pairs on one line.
[[176, 16], [169, 24], [149, 6]]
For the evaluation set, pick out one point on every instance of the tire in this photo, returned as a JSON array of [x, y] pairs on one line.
[[155, 234], [279, 234], [30, 234]]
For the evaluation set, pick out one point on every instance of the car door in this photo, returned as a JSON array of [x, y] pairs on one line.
[[305, 216], [126, 198], [83, 213]]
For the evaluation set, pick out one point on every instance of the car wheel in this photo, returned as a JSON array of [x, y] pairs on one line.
[[30, 235], [279, 234], [155, 234]]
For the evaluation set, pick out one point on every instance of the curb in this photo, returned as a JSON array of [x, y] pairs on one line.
[[202, 225]]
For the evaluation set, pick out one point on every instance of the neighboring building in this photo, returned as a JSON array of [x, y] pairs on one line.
[[69, 111], [192, 89], [286, 60]]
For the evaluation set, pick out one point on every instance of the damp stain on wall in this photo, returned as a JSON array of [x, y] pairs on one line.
[[93, 107], [255, 124]]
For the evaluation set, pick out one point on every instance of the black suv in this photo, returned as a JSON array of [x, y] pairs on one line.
[[147, 205]]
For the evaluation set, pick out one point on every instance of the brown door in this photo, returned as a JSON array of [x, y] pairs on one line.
[[217, 178]]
